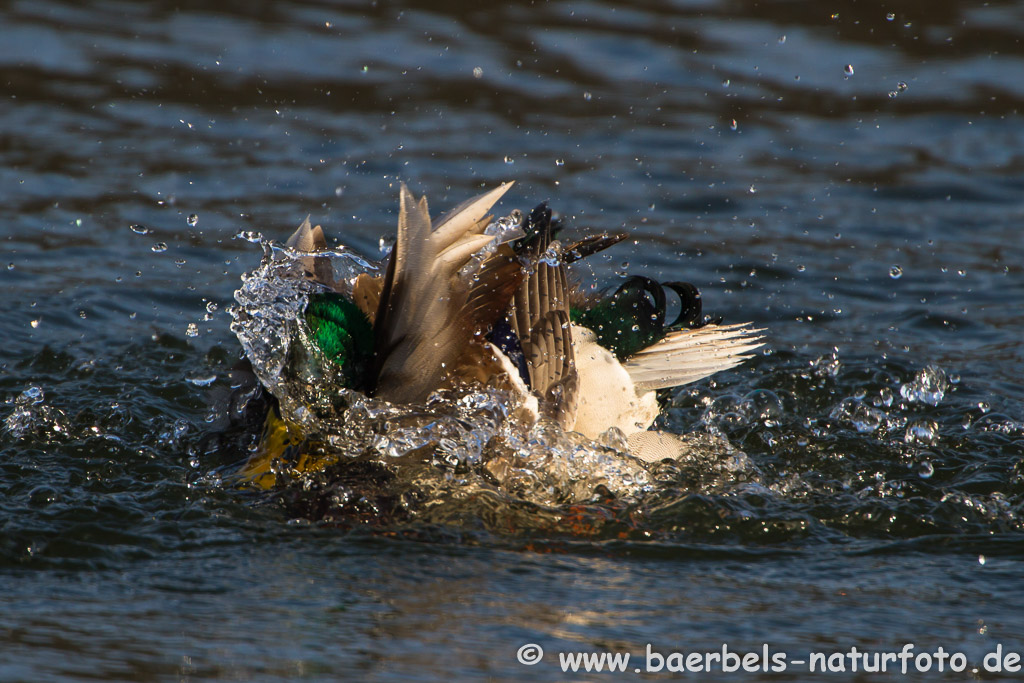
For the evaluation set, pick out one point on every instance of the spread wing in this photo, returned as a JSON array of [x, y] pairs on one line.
[[686, 356], [428, 309], [539, 317]]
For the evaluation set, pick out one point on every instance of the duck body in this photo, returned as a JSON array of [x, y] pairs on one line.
[[459, 304]]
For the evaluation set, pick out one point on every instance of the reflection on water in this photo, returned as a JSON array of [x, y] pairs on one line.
[[867, 216]]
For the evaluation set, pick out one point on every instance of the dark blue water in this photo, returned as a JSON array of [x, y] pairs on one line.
[[871, 222]]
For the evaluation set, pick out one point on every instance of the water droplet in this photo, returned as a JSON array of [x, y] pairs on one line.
[[901, 86], [896, 272], [782, 40], [753, 190], [922, 432], [10, 266], [726, 83], [139, 229], [478, 72], [928, 386], [734, 125], [202, 381], [192, 330], [249, 236], [211, 307], [34, 324], [981, 559], [925, 469], [509, 160], [159, 247], [835, 15], [587, 96], [863, 418], [801, 268], [890, 16], [559, 162], [192, 219], [848, 70]]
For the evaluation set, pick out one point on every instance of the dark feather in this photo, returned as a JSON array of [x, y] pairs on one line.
[[539, 317]]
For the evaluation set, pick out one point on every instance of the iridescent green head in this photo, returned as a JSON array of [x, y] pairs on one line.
[[343, 334], [633, 317]]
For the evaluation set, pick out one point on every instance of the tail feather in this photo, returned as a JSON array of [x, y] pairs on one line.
[[686, 356], [311, 240]]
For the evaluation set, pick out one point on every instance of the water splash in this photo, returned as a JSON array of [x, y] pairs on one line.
[[31, 416], [928, 386], [457, 444]]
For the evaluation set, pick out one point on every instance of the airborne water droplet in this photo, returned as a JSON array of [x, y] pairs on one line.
[[249, 236], [159, 247], [925, 470], [890, 16], [192, 219], [848, 70], [192, 330], [896, 272]]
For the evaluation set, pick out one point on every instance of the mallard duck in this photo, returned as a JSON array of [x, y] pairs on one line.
[[458, 305]]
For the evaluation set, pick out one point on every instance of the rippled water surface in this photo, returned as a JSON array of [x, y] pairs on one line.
[[846, 175]]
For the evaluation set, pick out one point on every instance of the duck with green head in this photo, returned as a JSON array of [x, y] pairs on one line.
[[455, 306]]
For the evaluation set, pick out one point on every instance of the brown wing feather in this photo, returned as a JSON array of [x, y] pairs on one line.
[[366, 294], [539, 316], [311, 240], [424, 318]]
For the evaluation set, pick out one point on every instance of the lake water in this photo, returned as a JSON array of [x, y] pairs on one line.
[[849, 176]]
